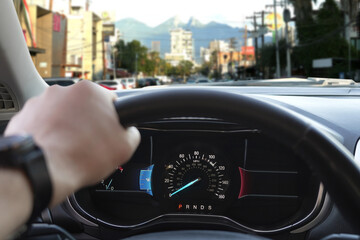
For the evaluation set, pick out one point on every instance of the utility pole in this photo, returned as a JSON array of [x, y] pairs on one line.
[[103, 56], [281, 3], [255, 32], [276, 44], [114, 67], [287, 17], [347, 12], [245, 48], [136, 65], [218, 58], [256, 42], [51, 5], [262, 27]]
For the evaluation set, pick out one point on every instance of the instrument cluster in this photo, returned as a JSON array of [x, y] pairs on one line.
[[239, 175]]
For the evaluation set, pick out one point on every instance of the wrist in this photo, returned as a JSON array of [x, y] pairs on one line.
[[17, 199], [20, 153]]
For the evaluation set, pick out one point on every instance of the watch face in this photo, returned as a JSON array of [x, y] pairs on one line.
[[12, 146]]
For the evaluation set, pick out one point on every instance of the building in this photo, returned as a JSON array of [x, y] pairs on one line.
[[181, 47], [60, 6], [228, 61], [219, 46], [84, 56], [155, 46], [45, 35], [110, 36], [205, 54]]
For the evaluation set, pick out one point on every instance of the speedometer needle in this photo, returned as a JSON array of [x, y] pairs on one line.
[[184, 187], [107, 186]]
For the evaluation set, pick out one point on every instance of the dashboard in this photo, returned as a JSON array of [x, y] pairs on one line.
[[206, 173], [208, 169]]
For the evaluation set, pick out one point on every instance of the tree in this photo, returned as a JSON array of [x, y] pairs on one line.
[[185, 68], [304, 19], [267, 56], [322, 39], [350, 7], [205, 69], [131, 56], [303, 9], [153, 63], [120, 49], [173, 71]]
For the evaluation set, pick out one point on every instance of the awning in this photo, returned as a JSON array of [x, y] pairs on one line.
[[34, 51]]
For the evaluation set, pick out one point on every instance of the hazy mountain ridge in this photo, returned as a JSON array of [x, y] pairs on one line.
[[203, 34]]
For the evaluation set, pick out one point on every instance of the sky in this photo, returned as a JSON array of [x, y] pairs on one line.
[[155, 12]]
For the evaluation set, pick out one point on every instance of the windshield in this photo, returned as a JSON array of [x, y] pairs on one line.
[[302, 42]]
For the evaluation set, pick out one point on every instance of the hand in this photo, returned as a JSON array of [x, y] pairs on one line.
[[79, 131]]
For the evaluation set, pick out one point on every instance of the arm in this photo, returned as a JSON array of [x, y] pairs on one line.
[[78, 129]]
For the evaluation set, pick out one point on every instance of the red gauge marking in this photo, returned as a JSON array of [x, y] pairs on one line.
[[121, 169], [243, 190]]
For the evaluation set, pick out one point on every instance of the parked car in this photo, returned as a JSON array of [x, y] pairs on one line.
[[191, 80], [202, 80], [145, 82], [129, 83], [62, 81], [111, 84]]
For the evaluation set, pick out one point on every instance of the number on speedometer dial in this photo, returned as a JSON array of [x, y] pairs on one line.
[[196, 175]]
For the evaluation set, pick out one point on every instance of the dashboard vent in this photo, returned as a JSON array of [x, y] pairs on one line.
[[7, 102]]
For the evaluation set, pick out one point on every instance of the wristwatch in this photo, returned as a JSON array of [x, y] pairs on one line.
[[21, 152]]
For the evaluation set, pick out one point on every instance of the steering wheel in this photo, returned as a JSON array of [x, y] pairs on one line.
[[325, 155]]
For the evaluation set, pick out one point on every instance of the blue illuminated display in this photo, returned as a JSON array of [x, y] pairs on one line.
[[145, 179]]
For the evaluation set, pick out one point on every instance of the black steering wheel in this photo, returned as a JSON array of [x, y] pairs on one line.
[[325, 155]]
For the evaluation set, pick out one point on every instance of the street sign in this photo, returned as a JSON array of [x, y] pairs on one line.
[[259, 32], [270, 21]]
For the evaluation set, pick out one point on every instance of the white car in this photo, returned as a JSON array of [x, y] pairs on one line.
[[129, 83], [111, 84]]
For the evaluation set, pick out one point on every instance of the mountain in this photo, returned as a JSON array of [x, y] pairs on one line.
[[193, 22], [203, 34], [169, 24], [128, 25]]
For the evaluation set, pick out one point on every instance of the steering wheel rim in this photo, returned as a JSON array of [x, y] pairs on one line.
[[324, 154]]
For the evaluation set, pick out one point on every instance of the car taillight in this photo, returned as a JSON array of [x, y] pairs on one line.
[[107, 87]]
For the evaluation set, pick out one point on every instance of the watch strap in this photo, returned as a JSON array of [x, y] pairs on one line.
[[21, 152], [38, 174]]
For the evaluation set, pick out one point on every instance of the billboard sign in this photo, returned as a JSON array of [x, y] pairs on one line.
[[270, 21], [248, 50], [56, 22]]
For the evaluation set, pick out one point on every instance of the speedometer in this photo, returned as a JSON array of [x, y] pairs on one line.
[[196, 176]]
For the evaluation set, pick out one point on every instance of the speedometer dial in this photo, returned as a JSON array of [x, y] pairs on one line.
[[196, 176]]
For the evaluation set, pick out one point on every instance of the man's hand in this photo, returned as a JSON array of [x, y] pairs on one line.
[[79, 131]]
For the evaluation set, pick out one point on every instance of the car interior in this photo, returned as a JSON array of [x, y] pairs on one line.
[[214, 162]]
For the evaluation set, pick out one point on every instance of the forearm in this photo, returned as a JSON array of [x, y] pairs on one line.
[[16, 201], [67, 127]]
